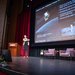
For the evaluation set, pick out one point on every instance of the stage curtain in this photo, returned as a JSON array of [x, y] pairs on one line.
[[3, 73], [23, 28]]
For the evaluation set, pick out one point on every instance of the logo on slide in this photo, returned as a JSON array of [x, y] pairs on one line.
[[46, 16]]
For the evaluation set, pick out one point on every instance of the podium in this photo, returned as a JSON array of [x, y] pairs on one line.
[[14, 49]]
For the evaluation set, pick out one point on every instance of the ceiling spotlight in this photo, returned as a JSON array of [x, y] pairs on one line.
[[27, 5]]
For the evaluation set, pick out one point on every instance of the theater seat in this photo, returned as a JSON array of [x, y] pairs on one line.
[[50, 52], [6, 55], [69, 52]]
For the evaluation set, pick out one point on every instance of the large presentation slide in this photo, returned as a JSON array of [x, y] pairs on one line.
[[55, 22]]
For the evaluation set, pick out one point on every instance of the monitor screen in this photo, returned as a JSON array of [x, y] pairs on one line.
[[55, 22]]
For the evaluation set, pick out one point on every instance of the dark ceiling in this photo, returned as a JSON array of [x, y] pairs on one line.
[[34, 3]]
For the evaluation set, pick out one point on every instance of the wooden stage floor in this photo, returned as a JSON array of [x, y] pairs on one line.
[[41, 66]]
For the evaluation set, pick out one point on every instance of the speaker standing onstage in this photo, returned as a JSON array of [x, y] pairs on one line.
[[26, 45]]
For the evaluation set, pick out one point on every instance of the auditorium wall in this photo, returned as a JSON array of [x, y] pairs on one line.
[[9, 12], [3, 4], [15, 9]]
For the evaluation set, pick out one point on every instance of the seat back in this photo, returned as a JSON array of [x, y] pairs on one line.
[[6, 55], [69, 49], [51, 50]]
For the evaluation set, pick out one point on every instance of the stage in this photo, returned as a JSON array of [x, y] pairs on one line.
[[39, 66]]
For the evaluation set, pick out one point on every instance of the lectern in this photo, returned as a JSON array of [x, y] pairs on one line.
[[14, 49]]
